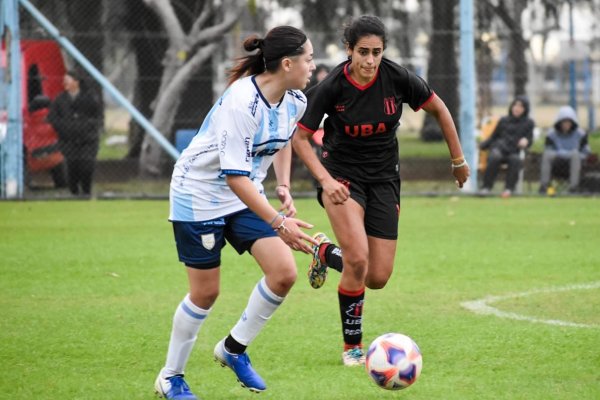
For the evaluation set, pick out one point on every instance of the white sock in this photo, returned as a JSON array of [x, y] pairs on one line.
[[261, 305], [186, 323]]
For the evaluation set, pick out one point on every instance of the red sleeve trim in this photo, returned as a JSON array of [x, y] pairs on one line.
[[351, 293], [302, 126], [426, 101]]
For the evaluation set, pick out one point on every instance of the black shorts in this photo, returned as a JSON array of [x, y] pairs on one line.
[[381, 202]]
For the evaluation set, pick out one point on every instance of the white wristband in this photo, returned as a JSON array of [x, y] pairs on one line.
[[462, 164]]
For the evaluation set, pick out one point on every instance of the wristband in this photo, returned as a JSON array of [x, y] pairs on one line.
[[462, 164], [458, 158], [283, 185]]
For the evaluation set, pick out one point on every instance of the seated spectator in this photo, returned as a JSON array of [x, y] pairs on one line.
[[565, 149], [513, 133]]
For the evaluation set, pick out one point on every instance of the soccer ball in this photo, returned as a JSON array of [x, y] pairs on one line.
[[394, 361]]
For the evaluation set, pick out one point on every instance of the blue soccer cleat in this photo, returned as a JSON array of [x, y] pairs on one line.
[[241, 366], [173, 387]]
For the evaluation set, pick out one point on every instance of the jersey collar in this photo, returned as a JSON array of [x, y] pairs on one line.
[[263, 97], [356, 84]]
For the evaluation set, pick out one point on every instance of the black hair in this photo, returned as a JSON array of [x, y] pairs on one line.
[[364, 25], [321, 67], [281, 41]]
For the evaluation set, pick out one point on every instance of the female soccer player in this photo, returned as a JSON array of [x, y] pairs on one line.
[[217, 194], [358, 171]]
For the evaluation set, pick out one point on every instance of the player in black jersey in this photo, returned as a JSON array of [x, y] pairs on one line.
[[358, 171]]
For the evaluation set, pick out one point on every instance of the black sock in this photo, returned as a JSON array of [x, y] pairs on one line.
[[333, 257], [351, 308], [233, 346]]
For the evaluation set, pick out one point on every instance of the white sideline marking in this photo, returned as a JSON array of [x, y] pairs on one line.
[[482, 306]]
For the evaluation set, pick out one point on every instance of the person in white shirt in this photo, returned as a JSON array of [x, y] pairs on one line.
[[217, 195]]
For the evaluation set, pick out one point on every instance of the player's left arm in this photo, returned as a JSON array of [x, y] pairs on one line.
[[436, 108], [282, 165]]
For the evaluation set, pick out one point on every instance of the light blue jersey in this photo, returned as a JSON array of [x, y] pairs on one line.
[[239, 136]]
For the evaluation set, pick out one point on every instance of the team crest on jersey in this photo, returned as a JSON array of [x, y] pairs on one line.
[[389, 106], [208, 241]]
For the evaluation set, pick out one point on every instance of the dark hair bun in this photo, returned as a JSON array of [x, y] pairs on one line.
[[253, 42]]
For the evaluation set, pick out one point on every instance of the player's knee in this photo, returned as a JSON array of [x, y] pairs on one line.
[[377, 281], [206, 298], [285, 279], [375, 284], [356, 267]]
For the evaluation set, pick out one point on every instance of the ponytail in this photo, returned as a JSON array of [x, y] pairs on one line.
[[282, 41]]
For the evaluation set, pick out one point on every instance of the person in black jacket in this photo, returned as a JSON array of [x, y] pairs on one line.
[[75, 115], [513, 133]]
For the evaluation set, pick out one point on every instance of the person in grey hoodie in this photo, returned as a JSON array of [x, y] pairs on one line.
[[513, 133], [566, 147]]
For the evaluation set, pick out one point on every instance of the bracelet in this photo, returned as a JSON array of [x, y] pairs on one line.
[[283, 185], [279, 214], [462, 164], [281, 225], [458, 158]]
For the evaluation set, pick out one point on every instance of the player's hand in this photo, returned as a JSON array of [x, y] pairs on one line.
[[294, 237], [287, 202], [461, 174], [336, 191]]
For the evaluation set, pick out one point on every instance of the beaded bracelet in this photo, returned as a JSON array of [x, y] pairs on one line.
[[279, 214], [281, 225]]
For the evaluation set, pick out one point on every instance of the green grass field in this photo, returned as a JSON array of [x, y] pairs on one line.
[[88, 290]]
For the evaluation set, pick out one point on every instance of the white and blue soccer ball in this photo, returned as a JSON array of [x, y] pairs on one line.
[[394, 361]]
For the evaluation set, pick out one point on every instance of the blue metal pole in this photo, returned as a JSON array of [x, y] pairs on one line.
[[468, 92], [105, 83], [572, 72], [587, 74], [12, 145]]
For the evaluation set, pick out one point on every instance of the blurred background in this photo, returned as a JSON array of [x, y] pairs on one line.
[[170, 60]]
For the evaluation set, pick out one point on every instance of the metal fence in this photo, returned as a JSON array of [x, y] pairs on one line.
[[128, 43]]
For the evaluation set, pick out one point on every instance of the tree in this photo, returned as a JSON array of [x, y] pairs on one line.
[[186, 53]]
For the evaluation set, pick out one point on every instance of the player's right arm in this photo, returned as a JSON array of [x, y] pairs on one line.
[[337, 192]]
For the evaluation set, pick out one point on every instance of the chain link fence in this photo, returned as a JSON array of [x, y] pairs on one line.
[[142, 47]]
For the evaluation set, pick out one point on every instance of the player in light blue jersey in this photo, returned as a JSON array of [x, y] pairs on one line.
[[217, 196]]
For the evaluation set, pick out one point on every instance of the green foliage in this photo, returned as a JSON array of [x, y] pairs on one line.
[[88, 290]]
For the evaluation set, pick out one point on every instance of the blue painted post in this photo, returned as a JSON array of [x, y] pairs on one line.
[[11, 146], [105, 83], [572, 72], [468, 92], [588, 79]]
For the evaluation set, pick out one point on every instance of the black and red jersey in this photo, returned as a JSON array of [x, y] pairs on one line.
[[360, 129]]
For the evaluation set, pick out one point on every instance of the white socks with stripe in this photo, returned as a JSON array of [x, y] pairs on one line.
[[186, 323], [261, 305]]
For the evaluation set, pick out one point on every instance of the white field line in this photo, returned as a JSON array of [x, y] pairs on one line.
[[482, 306]]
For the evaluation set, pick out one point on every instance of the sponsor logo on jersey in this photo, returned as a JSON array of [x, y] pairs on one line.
[[364, 129], [389, 106], [223, 142], [248, 148]]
